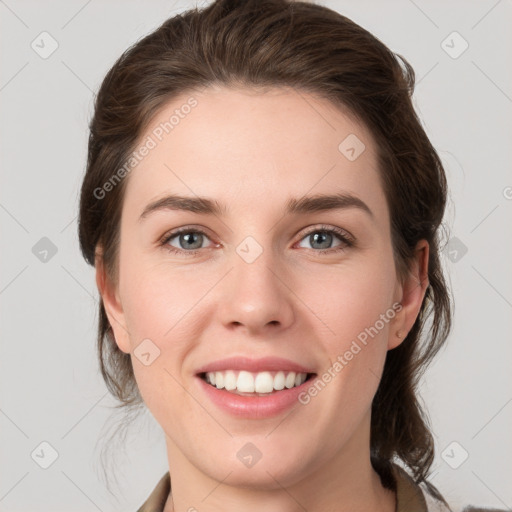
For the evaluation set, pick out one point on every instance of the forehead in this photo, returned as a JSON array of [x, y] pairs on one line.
[[246, 145]]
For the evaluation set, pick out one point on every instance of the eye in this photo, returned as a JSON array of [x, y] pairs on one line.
[[322, 237], [184, 240], [188, 241]]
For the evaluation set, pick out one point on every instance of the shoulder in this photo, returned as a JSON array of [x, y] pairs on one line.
[[424, 497], [436, 503], [480, 509], [156, 500]]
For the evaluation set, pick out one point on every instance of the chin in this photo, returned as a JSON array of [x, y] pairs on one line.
[[250, 467]]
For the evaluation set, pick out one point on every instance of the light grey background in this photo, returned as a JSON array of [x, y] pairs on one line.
[[50, 387]]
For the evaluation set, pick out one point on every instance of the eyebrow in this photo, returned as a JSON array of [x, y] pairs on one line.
[[309, 204]]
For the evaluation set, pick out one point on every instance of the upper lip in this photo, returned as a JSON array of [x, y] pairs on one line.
[[254, 365]]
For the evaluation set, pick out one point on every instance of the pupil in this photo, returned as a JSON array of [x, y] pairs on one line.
[[187, 239], [324, 236]]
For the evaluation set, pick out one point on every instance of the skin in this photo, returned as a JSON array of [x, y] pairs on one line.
[[252, 150]]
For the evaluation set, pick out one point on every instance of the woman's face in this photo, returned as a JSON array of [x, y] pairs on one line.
[[276, 279]]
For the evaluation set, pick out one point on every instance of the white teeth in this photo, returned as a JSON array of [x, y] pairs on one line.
[[279, 381], [245, 382], [300, 378], [230, 380], [264, 383], [290, 380], [261, 382]]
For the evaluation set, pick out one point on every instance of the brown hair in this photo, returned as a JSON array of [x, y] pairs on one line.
[[272, 43]]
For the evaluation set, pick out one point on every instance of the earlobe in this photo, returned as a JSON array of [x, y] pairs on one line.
[[112, 305], [410, 295]]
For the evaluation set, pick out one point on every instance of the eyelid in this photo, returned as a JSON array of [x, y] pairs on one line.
[[184, 229], [343, 233]]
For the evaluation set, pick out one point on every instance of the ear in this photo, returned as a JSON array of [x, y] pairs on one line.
[[111, 303], [410, 294]]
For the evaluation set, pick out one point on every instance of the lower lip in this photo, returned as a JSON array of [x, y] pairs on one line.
[[254, 407]]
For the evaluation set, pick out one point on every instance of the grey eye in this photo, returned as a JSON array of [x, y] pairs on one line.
[[188, 240]]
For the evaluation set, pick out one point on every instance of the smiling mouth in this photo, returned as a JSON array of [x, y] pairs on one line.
[[244, 383]]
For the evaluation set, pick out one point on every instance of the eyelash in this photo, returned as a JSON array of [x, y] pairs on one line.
[[347, 240]]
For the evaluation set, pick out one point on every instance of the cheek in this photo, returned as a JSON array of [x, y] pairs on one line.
[[158, 300], [355, 313], [160, 306], [161, 301], [351, 301]]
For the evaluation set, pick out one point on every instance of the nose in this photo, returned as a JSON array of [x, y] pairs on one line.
[[256, 296]]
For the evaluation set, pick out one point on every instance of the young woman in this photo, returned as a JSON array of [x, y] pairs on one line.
[[262, 206]]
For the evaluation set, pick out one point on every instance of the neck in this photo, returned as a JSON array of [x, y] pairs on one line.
[[345, 483]]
